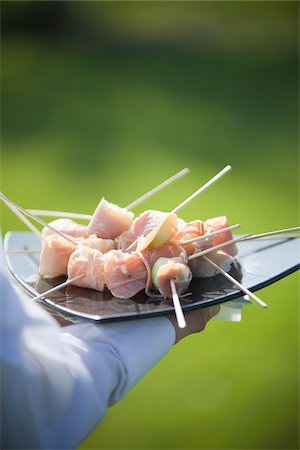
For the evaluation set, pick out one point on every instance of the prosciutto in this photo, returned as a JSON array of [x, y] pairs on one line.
[[202, 269], [68, 227], [125, 274], [100, 244], [191, 230], [125, 240], [109, 220], [151, 255], [217, 223], [89, 262], [165, 270], [55, 255], [154, 228]]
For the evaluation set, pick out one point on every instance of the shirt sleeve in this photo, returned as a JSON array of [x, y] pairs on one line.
[[57, 383]]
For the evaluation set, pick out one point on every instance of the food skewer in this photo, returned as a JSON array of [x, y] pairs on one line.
[[56, 288], [237, 283], [158, 188], [155, 231], [177, 306], [208, 235], [24, 220], [61, 214], [70, 215], [37, 219], [203, 188], [272, 233], [216, 247]]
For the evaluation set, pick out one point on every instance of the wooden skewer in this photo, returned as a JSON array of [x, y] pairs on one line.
[[67, 215], [195, 194], [208, 235], [23, 251], [272, 233], [216, 247], [237, 283], [24, 220], [203, 188], [71, 215], [37, 219], [158, 188], [56, 288], [177, 306]]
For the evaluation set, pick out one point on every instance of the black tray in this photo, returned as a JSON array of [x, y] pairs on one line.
[[261, 262]]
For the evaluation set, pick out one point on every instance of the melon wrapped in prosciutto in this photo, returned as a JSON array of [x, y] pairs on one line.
[[125, 274], [169, 251], [165, 270], [192, 230], [89, 262], [68, 227], [154, 228], [55, 255], [109, 220], [217, 223], [202, 269], [101, 244]]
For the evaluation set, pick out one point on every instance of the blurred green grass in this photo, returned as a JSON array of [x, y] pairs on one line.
[[84, 119]]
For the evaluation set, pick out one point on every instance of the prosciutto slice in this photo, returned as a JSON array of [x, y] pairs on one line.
[[217, 223], [100, 244], [90, 262], [151, 255], [55, 255], [109, 220], [166, 270], [191, 230], [67, 226], [202, 269], [124, 273], [154, 228], [125, 240]]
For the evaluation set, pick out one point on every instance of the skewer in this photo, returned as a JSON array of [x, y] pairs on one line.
[[208, 235], [203, 188], [28, 251], [37, 219], [237, 283], [158, 188], [24, 220], [272, 233], [70, 215], [195, 194], [177, 306], [67, 215], [56, 288], [216, 247]]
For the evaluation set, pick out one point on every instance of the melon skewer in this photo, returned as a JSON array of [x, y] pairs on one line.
[[203, 188], [24, 220], [216, 247], [271, 233], [56, 288], [177, 306], [37, 219], [237, 283], [208, 235], [46, 213], [145, 241]]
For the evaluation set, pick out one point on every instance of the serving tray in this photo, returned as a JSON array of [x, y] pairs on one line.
[[260, 263]]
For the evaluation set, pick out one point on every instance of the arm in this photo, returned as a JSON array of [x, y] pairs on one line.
[[57, 383]]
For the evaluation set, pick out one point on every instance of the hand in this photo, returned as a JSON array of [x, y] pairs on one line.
[[196, 321]]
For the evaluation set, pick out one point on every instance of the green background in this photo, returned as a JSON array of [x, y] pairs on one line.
[[111, 99]]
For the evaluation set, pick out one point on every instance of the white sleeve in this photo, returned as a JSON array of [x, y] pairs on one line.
[[58, 382]]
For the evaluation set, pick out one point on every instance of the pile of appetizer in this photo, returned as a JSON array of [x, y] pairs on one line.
[[126, 255]]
